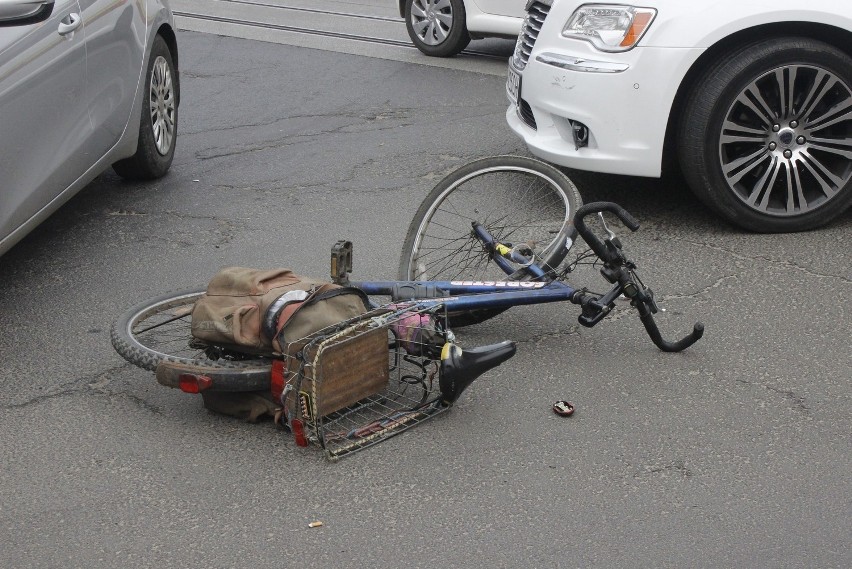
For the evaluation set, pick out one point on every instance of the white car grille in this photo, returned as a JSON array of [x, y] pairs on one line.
[[536, 13]]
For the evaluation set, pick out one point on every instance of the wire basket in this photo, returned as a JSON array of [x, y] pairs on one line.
[[360, 382]]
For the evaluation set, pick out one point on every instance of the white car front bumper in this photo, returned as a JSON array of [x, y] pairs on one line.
[[623, 99]]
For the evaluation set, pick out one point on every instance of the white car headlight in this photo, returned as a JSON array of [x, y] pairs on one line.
[[609, 27]]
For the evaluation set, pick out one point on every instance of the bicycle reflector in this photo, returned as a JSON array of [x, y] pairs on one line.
[[192, 383], [298, 429]]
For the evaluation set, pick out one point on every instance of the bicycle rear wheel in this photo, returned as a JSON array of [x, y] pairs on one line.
[[518, 200], [159, 330]]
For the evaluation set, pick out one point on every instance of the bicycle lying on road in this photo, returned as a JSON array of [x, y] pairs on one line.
[[492, 235]]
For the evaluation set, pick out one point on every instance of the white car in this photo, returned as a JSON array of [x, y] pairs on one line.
[[753, 99], [442, 28]]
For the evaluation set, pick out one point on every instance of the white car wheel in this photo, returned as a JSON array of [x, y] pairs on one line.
[[437, 27], [767, 135]]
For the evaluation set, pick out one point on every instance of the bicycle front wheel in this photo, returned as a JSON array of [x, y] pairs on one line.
[[159, 330], [518, 200]]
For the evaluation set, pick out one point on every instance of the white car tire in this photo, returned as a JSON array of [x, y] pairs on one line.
[[438, 28], [764, 139]]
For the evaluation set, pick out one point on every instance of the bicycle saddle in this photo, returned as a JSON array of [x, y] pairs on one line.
[[460, 368]]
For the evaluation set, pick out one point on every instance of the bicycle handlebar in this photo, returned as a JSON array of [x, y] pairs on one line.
[[647, 318], [618, 271], [597, 207]]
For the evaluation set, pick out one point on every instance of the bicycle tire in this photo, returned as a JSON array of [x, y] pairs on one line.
[[540, 200], [159, 330]]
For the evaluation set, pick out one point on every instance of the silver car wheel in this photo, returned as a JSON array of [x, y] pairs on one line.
[[162, 105], [432, 20], [786, 142]]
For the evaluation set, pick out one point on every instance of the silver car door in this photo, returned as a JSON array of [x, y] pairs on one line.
[[115, 45], [44, 121]]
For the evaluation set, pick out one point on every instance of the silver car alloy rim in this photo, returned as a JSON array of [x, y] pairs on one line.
[[432, 20], [162, 105], [786, 143]]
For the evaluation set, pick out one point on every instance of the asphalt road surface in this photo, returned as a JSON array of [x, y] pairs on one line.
[[735, 453]]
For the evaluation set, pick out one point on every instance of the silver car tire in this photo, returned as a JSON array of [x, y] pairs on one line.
[[158, 126], [766, 135], [438, 28]]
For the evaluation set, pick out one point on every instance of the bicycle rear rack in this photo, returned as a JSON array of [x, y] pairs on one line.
[[358, 383]]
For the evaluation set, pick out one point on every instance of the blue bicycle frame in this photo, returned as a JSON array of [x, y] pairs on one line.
[[475, 295], [468, 295]]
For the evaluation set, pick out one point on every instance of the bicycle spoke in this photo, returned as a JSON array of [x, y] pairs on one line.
[[514, 206]]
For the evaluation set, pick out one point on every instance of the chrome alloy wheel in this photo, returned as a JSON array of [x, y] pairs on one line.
[[786, 142], [432, 20], [162, 99]]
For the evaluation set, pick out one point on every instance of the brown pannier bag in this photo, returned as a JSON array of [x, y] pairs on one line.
[[264, 310]]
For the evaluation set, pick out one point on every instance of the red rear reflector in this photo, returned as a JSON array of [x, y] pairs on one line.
[[191, 383], [299, 432], [278, 380]]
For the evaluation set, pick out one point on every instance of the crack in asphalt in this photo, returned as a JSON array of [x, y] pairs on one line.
[[200, 155], [57, 390], [126, 213], [373, 116], [276, 186], [370, 120], [797, 402], [289, 140], [96, 383], [227, 229], [775, 262], [695, 295]]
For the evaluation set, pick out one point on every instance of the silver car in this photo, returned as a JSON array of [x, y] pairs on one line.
[[84, 85]]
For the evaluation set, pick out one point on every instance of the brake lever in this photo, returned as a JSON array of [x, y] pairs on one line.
[[612, 242], [604, 253], [615, 271], [609, 231]]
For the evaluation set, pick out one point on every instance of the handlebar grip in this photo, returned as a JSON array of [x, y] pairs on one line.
[[597, 207], [654, 333]]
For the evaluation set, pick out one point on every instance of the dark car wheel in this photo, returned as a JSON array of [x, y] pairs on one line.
[[437, 27], [158, 127], [766, 136]]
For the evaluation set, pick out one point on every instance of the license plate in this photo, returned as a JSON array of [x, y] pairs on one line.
[[513, 85]]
